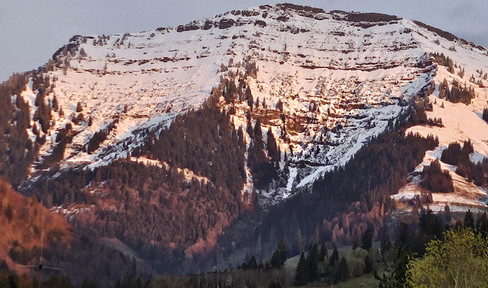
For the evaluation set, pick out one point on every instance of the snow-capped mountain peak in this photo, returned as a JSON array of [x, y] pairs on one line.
[[327, 82]]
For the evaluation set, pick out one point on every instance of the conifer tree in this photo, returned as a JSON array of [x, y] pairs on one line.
[[299, 240], [313, 262], [450, 66], [469, 220], [323, 252], [302, 275], [258, 132], [368, 264], [367, 239], [78, 107], [485, 114], [385, 244], [252, 264], [272, 148], [342, 271], [334, 257], [280, 255], [55, 104], [482, 225], [250, 100], [355, 241], [256, 150], [395, 275]]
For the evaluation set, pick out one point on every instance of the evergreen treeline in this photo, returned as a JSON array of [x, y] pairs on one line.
[[12, 280], [418, 236], [17, 151], [355, 192], [457, 93], [262, 157], [458, 155], [376, 172], [419, 117], [441, 59], [317, 266], [25, 225], [394, 265], [156, 210], [436, 180], [41, 84], [264, 166], [206, 142], [99, 137], [152, 207]]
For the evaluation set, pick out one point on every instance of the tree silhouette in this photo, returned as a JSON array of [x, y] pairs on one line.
[[313, 262], [280, 255], [302, 275], [469, 220], [367, 239]]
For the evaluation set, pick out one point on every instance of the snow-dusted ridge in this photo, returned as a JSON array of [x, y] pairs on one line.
[[340, 81]]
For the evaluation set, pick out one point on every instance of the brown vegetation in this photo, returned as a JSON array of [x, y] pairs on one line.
[[26, 227]]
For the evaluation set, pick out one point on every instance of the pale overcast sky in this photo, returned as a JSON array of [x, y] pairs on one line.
[[32, 30]]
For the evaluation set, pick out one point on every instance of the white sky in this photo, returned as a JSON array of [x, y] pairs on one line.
[[32, 30]]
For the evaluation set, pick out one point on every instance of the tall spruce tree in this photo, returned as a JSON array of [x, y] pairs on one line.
[[280, 255], [302, 275], [334, 257], [482, 225], [469, 220], [272, 148], [395, 275], [367, 239], [313, 262], [323, 252], [342, 271]]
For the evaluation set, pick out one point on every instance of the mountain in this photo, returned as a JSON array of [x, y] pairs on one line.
[[217, 138]]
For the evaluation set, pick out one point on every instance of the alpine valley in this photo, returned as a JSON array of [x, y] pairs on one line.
[[194, 148]]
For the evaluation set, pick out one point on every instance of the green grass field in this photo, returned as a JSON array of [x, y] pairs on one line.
[[365, 281]]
